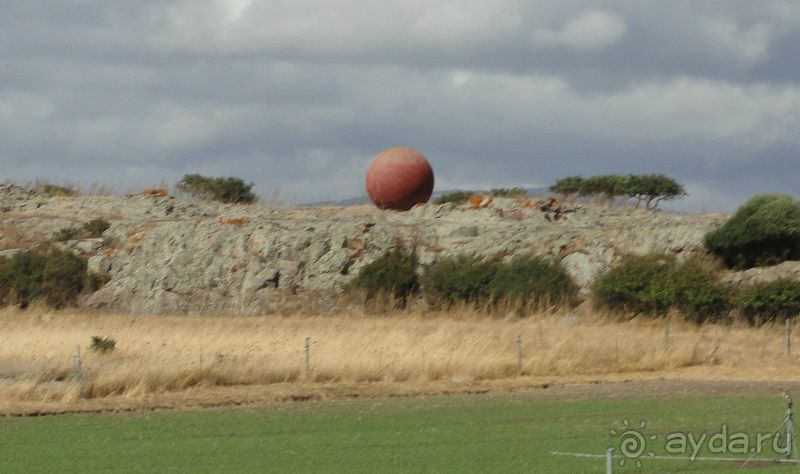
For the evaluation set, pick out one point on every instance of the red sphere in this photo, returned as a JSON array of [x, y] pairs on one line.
[[399, 178]]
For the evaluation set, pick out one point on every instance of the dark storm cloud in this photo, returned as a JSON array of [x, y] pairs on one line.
[[298, 96]]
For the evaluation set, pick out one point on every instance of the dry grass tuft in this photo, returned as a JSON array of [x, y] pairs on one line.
[[13, 236]]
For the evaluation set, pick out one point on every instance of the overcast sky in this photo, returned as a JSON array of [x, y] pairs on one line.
[[299, 95]]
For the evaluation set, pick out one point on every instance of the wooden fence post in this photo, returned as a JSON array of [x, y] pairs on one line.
[[308, 353]]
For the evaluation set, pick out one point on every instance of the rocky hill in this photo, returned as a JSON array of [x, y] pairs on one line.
[[168, 255]]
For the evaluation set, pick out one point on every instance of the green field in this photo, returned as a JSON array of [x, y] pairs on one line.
[[436, 434]]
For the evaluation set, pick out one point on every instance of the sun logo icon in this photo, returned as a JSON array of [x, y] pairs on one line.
[[632, 442]]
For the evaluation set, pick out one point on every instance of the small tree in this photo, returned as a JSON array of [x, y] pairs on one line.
[[228, 190], [764, 231], [652, 189]]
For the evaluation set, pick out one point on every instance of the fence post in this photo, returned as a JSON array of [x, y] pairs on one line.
[[78, 369], [308, 355], [519, 352], [610, 461], [788, 337]]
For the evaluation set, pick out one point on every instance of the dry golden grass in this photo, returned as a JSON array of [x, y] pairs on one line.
[[168, 354], [14, 236]]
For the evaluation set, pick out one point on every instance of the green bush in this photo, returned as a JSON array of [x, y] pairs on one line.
[[91, 229], [530, 281], [55, 276], [228, 190], [457, 280], [652, 284], [393, 274], [457, 197], [96, 227], [508, 192], [21, 277], [103, 344], [764, 231], [764, 302]]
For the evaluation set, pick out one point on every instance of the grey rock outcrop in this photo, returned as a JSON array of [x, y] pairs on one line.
[[168, 255]]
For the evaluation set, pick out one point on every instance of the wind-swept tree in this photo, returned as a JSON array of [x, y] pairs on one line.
[[606, 187], [569, 186], [651, 189]]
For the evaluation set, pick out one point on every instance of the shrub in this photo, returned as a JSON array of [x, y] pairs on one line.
[[531, 281], [459, 279], [55, 190], [764, 231], [651, 284], [764, 302], [508, 192], [21, 277], [228, 190], [53, 275], [64, 277], [103, 344], [457, 197], [393, 274], [67, 233], [95, 227], [91, 229]]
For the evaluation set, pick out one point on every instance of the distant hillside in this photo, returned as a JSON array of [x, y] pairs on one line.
[[358, 201]]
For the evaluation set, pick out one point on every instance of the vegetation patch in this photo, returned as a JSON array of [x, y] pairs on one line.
[[652, 284], [228, 190], [91, 229], [765, 302], [103, 344], [55, 190], [456, 197], [532, 281], [764, 231], [649, 189], [52, 275], [391, 275], [459, 280]]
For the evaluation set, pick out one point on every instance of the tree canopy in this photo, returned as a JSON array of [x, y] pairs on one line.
[[649, 189]]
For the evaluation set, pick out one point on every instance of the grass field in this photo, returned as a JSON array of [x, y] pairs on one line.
[[434, 434]]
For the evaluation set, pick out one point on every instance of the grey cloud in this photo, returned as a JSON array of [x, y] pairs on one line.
[[298, 96]]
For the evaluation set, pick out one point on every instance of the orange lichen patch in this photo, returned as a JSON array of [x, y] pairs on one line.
[[235, 268], [109, 252], [155, 192], [479, 201], [142, 228], [133, 241], [237, 222]]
